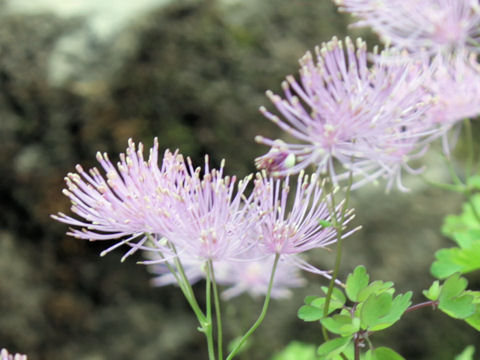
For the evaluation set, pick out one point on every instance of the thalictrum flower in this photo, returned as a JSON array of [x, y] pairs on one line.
[[368, 118], [211, 219], [127, 202], [435, 25], [289, 230]]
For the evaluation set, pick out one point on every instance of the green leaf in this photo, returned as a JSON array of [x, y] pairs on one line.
[[465, 221], [296, 351], [399, 305], [450, 261], [465, 239], [474, 320], [459, 307], [308, 299], [454, 301], [384, 353], [333, 347], [374, 308], [341, 324], [356, 282], [433, 292], [466, 354], [453, 286], [310, 313], [337, 294], [334, 304], [375, 287]]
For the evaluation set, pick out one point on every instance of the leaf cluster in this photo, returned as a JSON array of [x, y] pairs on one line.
[[355, 314], [453, 298]]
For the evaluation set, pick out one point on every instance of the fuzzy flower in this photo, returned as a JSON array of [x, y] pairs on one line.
[[287, 231], [4, 355], [366, 118], [211, 219], [127, 202], [436, 25]]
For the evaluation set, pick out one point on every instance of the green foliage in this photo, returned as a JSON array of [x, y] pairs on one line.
[[296, 351], [464, 229], [454, 300], [373, 308], [342, 324], [356, 282], [314, 305], [466, 354], [433, 292], [382, 311], [332, 348]]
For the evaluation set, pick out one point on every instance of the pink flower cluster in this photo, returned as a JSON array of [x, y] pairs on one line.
[[201, 214], [374, 113]]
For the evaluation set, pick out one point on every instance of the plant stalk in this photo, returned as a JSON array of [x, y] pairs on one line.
[[262, 314]]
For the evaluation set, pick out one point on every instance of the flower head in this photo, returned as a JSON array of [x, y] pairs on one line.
[[125, 203], [211, 219], [368, 118], [435, 25], [287, 230]]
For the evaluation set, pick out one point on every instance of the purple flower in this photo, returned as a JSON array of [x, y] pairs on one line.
[[211, 219], [127, 202], [435, 25], [289, 230], [370, 119], [4, 355], [200, 211]]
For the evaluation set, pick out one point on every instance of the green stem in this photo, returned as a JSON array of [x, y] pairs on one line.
[[187, 290], [182, 280], [262, 314], [208, 328], [218, 313], [449, 187], [338, 257]]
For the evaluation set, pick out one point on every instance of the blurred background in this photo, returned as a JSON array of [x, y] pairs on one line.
[[78, 76]]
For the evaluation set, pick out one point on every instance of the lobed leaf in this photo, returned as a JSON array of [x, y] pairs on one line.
[[356, 282], [332, 348]]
